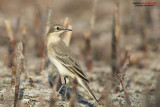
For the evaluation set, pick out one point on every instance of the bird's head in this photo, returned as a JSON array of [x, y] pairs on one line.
[[57, 30]]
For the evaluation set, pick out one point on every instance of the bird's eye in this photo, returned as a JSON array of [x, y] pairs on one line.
[[57, 28]]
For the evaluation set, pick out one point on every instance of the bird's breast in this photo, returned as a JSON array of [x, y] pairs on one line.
[[61, 69]]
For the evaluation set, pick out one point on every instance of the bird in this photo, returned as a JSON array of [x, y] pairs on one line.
[[61, 56]]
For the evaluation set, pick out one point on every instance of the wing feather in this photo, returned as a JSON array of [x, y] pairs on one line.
[[68, 61]]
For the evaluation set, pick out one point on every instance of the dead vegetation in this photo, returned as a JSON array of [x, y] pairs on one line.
[[11, 55], [132, 69], [20, 69]]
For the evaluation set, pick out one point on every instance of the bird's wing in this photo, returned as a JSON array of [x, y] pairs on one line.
[[65, 57]]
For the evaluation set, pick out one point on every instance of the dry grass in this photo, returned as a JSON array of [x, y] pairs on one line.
[[91, 21]]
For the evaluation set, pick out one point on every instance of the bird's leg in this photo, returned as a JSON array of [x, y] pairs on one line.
[[66, 86], [63, 81], [65, 95], [60, 88]]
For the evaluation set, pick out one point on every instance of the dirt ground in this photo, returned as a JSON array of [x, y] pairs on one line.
[[142, 76]]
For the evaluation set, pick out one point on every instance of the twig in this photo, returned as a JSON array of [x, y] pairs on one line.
[[45, 59], [88, 56], [67, 38], [53, 94], [20, 68], [49, 14], [39, 28], [42, 64], [125, 63], [73, 99], [124, 88], [24, 34], [66, 22], [12, 43], [13, 76], [121, 76], [9, 30], [68, 35], [115, 39], [87, 36], [93, 16]]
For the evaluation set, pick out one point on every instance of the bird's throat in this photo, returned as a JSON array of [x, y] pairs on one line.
[[51, 38]]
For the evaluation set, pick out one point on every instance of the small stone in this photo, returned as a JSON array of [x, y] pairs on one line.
[[25, 101]]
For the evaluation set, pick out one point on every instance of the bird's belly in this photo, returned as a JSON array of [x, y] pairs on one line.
[[62, 70]]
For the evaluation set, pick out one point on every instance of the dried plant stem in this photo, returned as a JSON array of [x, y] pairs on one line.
[[13, 76], [24, 34], [42, 64], [49, 14], [143, 37], [125, 90], [121, 76], [125, 63], [68, 36], [45, 59], [12, 43], [39, 28], [93, 16], [73, 99], [115, 39], [9, 30], [53, 94], [20, 68], [87, 36], [88, 56], [66, 22]]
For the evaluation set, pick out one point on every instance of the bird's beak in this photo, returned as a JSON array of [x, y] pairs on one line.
[[67, 29]]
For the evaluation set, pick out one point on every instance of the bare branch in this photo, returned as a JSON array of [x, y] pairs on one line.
[[20, 68], [121, 75], [13, 76], [125, 90], [9, 30], [66, 22], [115, 39], [11, 54], [67, 37], [88, 56], [93, 16], [45, 59]]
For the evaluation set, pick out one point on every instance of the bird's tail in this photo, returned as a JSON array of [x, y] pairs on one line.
[[86, 87]]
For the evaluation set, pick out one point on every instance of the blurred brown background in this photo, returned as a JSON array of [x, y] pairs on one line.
[[139, 33]]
